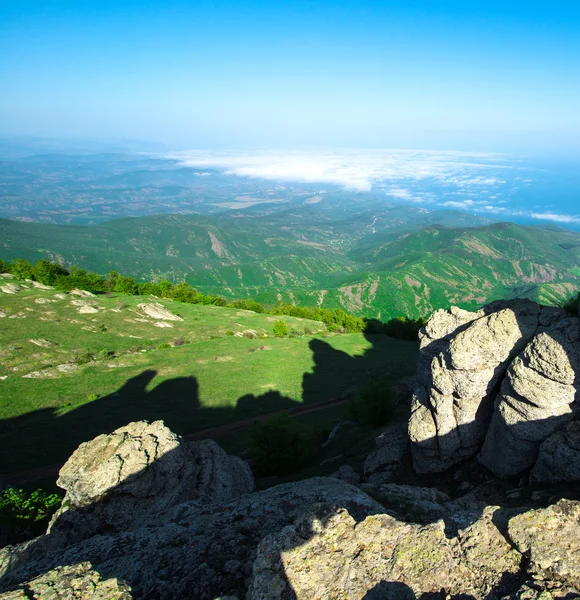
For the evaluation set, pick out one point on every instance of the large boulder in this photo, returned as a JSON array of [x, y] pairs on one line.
[[537, 398], [122, 480], [462, 359]]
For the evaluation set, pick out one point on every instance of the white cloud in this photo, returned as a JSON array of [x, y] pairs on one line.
[[355, 169], [556, 217]]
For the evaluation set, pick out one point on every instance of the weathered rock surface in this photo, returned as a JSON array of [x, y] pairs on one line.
[[559, 457], [505, 378], [157, 528], [75, 582], [537, 398], [328, 554], [550, 538], [122, 480], [158, 311]]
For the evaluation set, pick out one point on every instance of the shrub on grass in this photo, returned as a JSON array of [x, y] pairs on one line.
[[280, 328], [229, 332], [277, 446], [25, 515], [375, 405], [81, 357], [164, 346]]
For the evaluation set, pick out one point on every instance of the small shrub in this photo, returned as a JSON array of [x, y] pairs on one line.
[[21, 511], [280, 328], [308, 331], [229, 332], [93, 397], [102, 327], [81, 357], [105, 354], [164, 346], [375, 405], [277, 446]]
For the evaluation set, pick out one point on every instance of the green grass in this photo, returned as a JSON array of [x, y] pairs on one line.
[[211, 380]]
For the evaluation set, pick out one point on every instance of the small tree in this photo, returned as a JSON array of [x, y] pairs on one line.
[[277, 446], [47, 272], [280, 328]]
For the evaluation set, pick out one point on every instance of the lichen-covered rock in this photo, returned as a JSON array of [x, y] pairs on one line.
[[158, 311], [328, 554], [75, 582], [122, 480], [537, 398], [463, 357], [550, 538], [559, 457]]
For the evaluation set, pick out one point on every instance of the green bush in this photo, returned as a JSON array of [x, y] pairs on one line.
[[164, 346], [21, 269], [280, 328], [26, 512], [375, 405], [277, 446], [229, 332]]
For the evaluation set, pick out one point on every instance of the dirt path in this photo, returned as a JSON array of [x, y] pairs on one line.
[[51, 471]]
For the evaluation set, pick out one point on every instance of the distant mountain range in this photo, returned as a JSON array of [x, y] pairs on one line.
[[374, 259]]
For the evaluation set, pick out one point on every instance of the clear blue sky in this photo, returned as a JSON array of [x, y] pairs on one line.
[[465, 74]]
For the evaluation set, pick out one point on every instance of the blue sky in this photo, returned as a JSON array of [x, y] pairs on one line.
[[462, 75]]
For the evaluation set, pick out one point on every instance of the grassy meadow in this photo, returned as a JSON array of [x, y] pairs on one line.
[[67, 375]]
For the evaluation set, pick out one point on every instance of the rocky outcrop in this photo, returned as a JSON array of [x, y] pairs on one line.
[[319, 538], [125, 479], [326, 553], [537, 398], [505, 378], [158, 311]]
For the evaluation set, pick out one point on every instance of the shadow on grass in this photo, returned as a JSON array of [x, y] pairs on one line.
[[45, 437]]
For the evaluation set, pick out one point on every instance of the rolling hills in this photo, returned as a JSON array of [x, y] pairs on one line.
[[382, 261]]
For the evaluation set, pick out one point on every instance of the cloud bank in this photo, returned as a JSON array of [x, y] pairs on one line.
[[359, 170], [474, 182]]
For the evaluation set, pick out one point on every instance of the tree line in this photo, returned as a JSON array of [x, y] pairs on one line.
[[57, 276]]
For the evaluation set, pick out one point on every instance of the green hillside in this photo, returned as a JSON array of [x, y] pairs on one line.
[[311, 256], [74, 366]]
